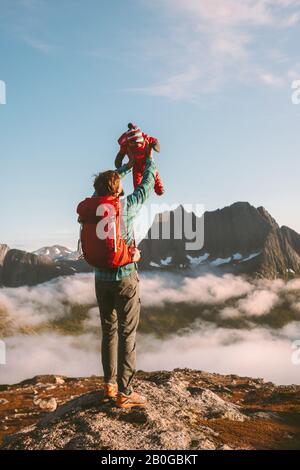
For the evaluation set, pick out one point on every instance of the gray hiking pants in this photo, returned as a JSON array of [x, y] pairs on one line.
[[119, 305]]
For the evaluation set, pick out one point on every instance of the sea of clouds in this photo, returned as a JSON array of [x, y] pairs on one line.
[[256, 351]]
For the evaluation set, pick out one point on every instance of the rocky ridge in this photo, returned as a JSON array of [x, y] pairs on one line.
[[187, 409]]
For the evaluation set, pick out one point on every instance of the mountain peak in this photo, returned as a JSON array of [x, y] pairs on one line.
[[240, 205], [267, 216], [55, 252]]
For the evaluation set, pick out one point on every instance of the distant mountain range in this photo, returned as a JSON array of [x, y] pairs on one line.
[[238, 239], [56, 253]]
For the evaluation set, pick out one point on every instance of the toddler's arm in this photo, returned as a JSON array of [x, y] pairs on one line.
[[119, 158]]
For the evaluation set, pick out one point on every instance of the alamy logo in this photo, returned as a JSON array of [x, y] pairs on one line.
[[168, 223], [2, 92], [2, 353], [296, 93]]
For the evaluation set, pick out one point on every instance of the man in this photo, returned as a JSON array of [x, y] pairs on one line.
[[117, 291]]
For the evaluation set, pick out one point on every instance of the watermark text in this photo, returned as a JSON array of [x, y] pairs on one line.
[[2, 92], [296, 92], [2, 353]]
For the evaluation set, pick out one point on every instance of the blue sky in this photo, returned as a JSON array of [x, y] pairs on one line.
[[211, 78]]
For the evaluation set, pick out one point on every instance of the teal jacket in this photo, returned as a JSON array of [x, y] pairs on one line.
[[131, 206]]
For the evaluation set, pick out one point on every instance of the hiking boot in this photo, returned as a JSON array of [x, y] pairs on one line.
[[110, 391], [130, 401]]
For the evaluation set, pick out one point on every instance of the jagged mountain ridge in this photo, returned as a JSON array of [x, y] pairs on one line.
[[238, 238]]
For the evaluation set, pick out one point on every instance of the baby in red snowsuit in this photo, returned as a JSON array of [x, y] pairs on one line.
[[137, 141]]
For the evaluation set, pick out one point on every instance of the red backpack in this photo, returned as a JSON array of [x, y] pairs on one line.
[[101, 240]]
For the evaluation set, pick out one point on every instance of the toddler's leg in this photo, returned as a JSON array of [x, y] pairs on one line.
[[158, 186], [137, 173]]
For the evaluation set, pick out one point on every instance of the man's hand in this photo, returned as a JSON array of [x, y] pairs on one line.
[[136, 255]]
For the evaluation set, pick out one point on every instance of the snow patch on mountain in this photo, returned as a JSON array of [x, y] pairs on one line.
[[56, 252]]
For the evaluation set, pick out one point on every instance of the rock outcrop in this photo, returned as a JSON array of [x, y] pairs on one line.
[[22, 268], [187, 409]]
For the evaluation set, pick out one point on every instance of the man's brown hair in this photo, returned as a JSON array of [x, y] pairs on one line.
[[107, 183]]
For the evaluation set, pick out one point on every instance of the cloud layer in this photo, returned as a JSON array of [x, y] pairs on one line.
[[232, 296], [259, 353], [254, 350]]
